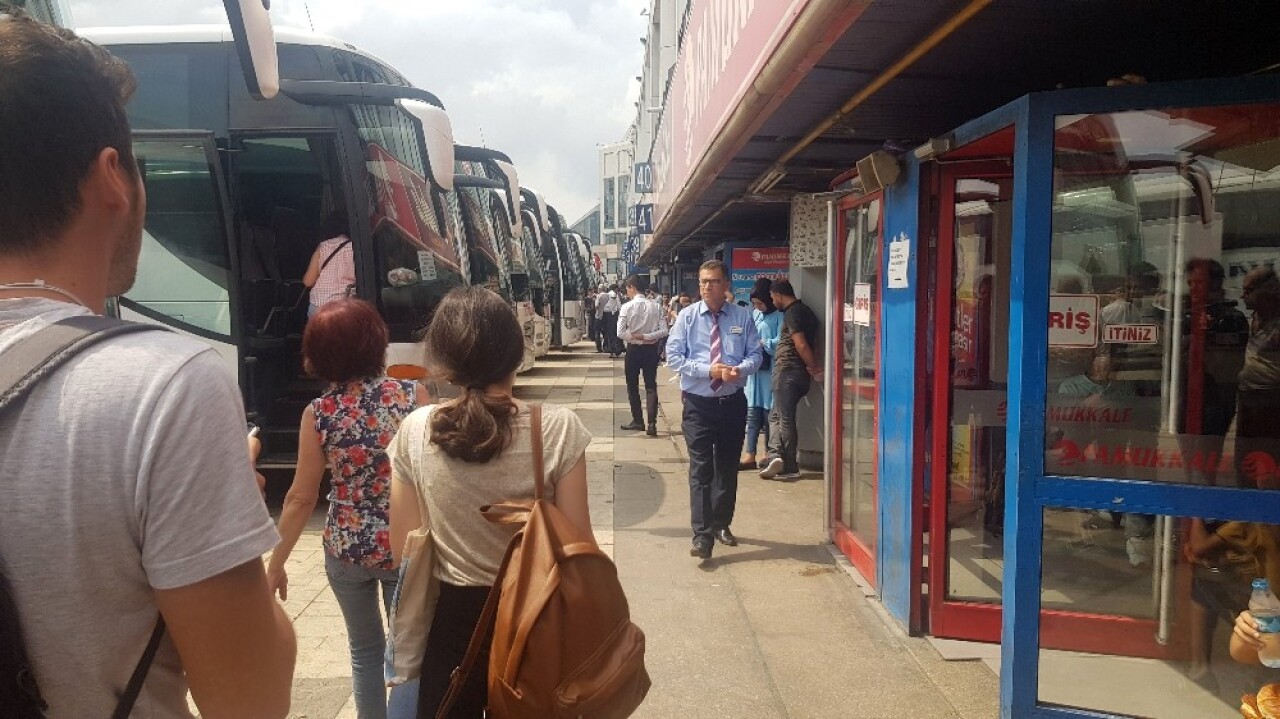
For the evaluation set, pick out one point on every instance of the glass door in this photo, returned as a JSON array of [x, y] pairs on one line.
[[857, 403], [971, 351]]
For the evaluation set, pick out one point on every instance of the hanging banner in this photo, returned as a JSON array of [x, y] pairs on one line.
[[748, 264]]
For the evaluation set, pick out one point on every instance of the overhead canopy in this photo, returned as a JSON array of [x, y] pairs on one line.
[[909, 70]]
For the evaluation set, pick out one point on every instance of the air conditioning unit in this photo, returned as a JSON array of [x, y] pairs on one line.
[[878, 171]]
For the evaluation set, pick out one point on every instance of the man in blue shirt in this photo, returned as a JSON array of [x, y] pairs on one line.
[[714, 346]]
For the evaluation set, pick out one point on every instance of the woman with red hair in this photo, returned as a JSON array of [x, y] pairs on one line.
[[347, 430]]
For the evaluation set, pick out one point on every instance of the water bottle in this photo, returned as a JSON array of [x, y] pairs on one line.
[[1265, 608]]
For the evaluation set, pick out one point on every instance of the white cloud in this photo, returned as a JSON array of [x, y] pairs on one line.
[[543, 80]]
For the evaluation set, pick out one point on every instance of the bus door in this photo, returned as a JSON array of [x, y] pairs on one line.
[[185, 268], [292, 194]]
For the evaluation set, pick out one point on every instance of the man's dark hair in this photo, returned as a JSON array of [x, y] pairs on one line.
[[1214, 269], [62, 101], [715, 266], [641, 284], [783, 288]]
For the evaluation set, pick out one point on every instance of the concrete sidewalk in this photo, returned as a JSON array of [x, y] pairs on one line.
[[772, 628]]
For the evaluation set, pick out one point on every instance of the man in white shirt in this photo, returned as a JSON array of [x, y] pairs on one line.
[[601, 300], [642, 327], [612, 307]]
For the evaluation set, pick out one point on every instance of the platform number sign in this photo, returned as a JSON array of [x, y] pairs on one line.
[[642, 218], [642, 180]]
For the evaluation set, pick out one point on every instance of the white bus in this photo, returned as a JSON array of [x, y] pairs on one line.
[[564, 283], [239, 191]]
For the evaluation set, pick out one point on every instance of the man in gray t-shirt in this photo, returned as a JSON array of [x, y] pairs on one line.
[[128, 488]]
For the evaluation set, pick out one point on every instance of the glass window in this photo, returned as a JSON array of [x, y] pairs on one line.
[[1164, 322], [1151, 640], [180, 86], [860, 372], [609, 206], [624, 184], [978, 389], [417, 262], [184, 266]]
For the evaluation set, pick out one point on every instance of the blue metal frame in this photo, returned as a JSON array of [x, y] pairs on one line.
[[897, 516], [1033, 491]]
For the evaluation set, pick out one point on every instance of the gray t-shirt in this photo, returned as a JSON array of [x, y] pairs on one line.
[[125, 470]]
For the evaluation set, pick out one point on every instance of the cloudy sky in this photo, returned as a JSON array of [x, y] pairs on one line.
[[543, 80]]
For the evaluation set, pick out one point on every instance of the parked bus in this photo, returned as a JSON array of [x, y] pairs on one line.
[[493, 176], [563, 280], [236, 205]]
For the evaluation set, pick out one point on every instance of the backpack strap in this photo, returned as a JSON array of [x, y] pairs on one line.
[[487, 618], [333, 254], [26, 362], [535, 429], [37, 357], [490, 612]]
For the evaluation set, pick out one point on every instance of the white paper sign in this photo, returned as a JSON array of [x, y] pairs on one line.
[[1073, 320], [426, 266], [899, 257], [862, 304]]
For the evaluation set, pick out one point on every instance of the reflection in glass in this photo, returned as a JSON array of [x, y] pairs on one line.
[[1157, 642], [184, 266], [860, 372], [1164, 325], [978, 389]]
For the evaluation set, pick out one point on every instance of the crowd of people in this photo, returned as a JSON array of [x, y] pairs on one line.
[[743, 370], [133, 564]]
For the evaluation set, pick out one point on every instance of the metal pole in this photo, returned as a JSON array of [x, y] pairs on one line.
[[1165, 525], [829, 371]]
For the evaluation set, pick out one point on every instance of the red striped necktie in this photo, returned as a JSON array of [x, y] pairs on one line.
[[716, 384]]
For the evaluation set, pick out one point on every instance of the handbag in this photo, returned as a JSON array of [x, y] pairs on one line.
[[413, 604]]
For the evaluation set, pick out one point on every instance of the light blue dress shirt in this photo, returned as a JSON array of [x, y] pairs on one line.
[[689, 347]]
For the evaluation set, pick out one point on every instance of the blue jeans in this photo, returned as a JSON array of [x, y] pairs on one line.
[[356, 589], [757, 423]]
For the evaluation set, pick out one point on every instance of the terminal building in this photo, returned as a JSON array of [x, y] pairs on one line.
[[1041, 237]]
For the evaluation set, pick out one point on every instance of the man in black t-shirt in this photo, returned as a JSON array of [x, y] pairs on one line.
[[794, 365]]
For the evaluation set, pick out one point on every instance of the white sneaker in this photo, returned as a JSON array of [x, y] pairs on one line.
[[772, 469]]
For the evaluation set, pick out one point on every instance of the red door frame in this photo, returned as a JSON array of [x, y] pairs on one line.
[[1059, 629], [862, 556]]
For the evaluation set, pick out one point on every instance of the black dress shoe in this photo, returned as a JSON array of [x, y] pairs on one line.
[[632, 426], [701, 549], [652, 431], [725, 537]]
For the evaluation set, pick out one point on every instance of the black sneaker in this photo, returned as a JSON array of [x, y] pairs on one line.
[[652, 431], [630, 426]]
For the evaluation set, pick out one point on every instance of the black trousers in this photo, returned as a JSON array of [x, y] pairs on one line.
[[714, 428], [456, 615], [642, 359], [610, 330]]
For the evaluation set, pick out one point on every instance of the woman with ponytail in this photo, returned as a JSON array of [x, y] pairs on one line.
[[452, 458]]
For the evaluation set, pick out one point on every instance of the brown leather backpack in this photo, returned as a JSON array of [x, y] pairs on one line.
[[563, 642]]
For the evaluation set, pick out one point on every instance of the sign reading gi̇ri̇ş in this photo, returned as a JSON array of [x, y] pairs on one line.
[[1073, 320]]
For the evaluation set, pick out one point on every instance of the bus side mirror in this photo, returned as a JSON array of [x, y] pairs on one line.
[[437, 138], [256, 45], [514, 207]]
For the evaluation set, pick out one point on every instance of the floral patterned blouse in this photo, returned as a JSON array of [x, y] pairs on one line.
[[356, 422]]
